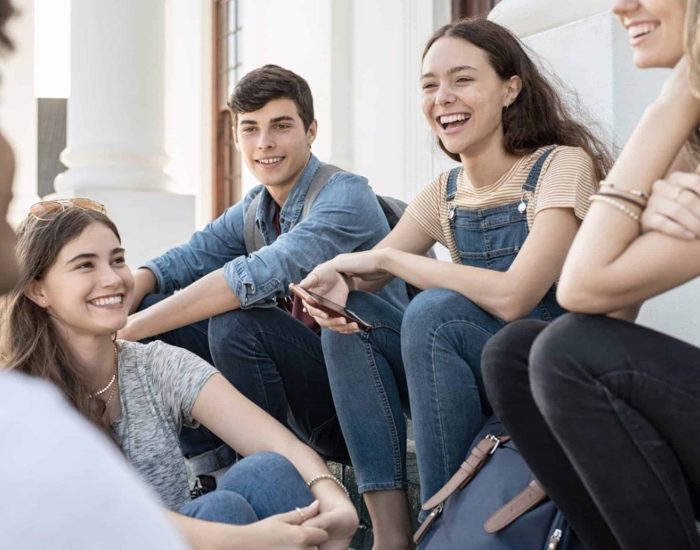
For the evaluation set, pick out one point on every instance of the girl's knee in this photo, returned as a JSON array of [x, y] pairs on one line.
[[221, 506], [254, 468], [429, 308], [560, 355], [507, 351]]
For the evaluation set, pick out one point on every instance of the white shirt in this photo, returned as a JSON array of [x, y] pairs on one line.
[[63, 485]]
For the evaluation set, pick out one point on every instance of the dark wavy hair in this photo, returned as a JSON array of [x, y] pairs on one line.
[[29, 341], [538, 116]]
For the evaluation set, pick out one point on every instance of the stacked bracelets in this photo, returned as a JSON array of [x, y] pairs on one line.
[[333, 479], [609, 194]]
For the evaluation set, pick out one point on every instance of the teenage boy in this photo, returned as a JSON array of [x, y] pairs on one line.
[[233, 308]]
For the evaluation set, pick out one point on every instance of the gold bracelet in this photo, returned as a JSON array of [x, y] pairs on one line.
[[627, 197], [333, 479], [616, 204], [635, 192]]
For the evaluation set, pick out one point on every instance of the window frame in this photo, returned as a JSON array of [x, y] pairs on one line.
[[226, 162]]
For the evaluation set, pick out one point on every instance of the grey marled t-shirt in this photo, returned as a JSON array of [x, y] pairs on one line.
[[158, 385]]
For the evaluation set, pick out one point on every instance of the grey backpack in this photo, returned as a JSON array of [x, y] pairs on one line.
[[393, 209]]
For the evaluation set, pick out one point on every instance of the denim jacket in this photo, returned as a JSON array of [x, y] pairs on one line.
[[345, 217]]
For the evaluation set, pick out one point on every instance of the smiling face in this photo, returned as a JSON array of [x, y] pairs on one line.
[[463, 96], [274, 144], [88, 289], [655, 29]]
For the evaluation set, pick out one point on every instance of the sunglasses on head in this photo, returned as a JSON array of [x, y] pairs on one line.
[[47, 210]]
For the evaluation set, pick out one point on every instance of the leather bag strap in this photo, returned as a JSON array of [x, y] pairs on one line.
[[523, 502], [479, 455]]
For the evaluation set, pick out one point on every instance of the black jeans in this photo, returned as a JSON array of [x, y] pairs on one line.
[[607, 415], [276, 362]]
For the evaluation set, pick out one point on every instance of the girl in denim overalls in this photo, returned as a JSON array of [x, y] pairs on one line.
[[491, 110]]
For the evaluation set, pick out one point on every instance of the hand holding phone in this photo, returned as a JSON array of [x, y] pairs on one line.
[[328, 306]]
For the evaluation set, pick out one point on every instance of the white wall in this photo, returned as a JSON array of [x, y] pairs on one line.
[[362, 61], [299, 38], [188, 101], [393, 145]]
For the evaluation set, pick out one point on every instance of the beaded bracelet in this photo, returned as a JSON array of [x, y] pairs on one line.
[[616, 204], [333, 479]]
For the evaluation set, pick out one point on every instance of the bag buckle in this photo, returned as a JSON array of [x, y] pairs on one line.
[[495, 440], [427, 523]]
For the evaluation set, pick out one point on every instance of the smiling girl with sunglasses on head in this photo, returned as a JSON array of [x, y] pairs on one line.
[[507, 215], [607, 412], [73, 296]]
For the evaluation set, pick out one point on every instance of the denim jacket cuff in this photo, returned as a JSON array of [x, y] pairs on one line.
[[241, 282], [164, 283]]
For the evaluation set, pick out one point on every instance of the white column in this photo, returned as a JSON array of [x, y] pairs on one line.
[[423, 160], [588, 50], [18, 108], [116, 139]]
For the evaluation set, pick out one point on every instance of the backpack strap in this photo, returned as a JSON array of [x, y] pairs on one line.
[[521, 503], [452, 183], [534, 175], [252, 237], [478, 456], [320, 179]]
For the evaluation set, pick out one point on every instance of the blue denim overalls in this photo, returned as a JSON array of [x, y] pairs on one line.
[[491, 238], [443, 334]]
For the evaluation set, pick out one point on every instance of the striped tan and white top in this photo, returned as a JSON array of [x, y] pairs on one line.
[[567, 180]]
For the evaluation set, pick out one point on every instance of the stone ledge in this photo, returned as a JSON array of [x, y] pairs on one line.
[[528, 17]]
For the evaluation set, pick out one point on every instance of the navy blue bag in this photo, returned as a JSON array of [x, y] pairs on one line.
[[494, 503]]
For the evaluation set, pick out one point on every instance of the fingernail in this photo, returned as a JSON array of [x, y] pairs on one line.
[[689, 234]]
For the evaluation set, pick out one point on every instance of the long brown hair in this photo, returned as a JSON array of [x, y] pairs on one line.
[[29, 341], [538, 116]]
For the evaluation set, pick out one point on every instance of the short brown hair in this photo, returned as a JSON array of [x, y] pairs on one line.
[[269, 82]]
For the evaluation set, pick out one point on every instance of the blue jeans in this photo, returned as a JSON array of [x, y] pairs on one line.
[[254, 488], [276, 362], [430, 354]]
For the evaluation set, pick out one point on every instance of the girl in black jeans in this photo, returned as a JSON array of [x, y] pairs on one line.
[[607, 413]]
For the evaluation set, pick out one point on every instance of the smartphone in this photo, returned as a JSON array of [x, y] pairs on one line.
[[328, 306]]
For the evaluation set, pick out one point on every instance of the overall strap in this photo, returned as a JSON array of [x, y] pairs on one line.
[[252, 237], [534, 175], [321, 178], [452, 183]]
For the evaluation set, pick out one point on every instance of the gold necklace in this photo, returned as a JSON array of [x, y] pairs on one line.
[[111, 381]]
